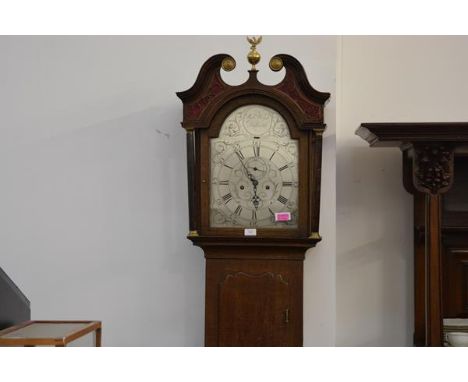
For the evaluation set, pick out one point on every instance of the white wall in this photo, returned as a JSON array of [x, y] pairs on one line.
[[93, 207], [385, 79]]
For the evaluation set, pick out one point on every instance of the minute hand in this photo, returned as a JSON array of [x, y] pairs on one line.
[[242, 163], [250, 176]]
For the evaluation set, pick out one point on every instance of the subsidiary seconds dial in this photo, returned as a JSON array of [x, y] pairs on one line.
[[254, 170]]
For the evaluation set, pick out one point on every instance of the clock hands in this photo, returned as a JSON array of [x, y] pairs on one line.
[[255, 198]]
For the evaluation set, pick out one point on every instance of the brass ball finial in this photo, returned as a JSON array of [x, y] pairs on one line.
[[228, 64], [276, 64], [254, 57]]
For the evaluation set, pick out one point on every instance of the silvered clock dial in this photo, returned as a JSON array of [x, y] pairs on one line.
[[254, 171]]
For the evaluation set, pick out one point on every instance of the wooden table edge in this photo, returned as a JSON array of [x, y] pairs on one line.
[[15, 327], [58, 341], [92, 327]]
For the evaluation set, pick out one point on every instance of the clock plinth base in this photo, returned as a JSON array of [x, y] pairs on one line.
[[254, 296]]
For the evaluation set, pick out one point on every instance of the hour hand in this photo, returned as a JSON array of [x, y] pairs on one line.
[[256, 201], [255, 198], [253, 180]]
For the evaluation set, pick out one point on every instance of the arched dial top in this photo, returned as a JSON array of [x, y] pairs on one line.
[[254, 171]]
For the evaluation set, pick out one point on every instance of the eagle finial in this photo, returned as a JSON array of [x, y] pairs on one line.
[[254, 57]]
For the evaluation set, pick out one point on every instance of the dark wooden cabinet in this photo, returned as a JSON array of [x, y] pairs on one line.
[[455, 278], [455, 242], [254, 170], [435, 172]]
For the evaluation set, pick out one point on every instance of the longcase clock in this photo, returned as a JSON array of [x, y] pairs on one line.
[[254, 161]]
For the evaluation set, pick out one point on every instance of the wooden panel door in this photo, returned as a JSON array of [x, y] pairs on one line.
[[253, 302], [253, 310]]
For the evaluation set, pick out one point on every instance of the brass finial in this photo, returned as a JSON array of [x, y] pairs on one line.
[[276, 64], [228, 64], [254, 57]]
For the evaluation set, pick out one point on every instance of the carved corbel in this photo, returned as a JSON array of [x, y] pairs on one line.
[[433, 168]]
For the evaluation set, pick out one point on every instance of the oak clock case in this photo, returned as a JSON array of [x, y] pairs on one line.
[[253, 151]]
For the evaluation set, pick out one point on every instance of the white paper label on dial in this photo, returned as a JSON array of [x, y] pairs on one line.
[[250, 232]]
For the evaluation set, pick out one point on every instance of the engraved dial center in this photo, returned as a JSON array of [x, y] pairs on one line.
[[257, 167]]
